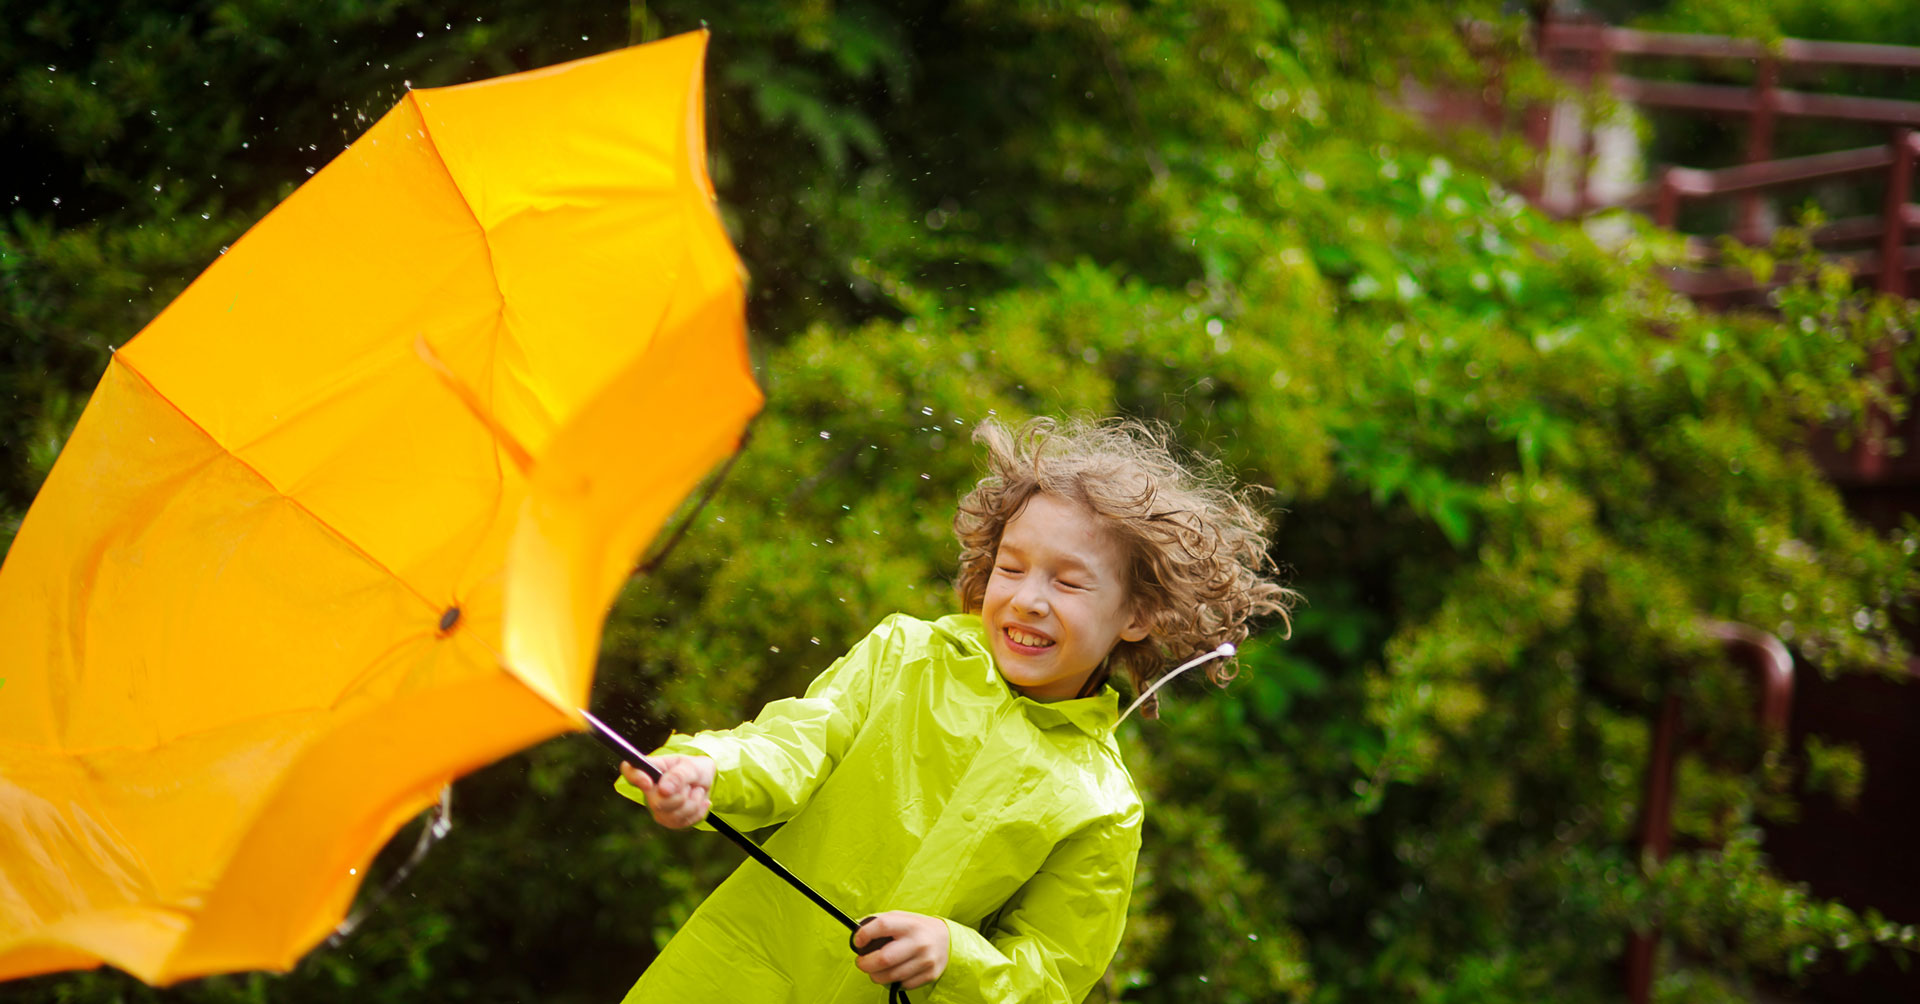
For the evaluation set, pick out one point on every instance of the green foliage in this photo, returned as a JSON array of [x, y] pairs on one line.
[[1513, 473]]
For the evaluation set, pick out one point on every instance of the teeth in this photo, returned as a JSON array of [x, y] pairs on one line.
[[1024, 638]]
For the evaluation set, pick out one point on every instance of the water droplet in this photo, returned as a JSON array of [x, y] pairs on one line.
[[205, 216], [926, 411], [926, 477], [419, 34], [773, 648], [816, 641], [824, 434]]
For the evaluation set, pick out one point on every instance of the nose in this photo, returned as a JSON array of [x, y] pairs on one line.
[[1031, 598]]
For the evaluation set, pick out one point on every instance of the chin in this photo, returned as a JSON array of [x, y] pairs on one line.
[[1014, 674]]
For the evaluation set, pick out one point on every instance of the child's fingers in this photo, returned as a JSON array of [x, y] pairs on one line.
[[897, 962], [680, 773], [913, 958], [885, 959], [682, 810], [901, 951], [876, 926], [678, 800], [692, 808], [905, 973]]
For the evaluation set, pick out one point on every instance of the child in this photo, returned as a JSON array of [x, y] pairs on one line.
[[961, 774]]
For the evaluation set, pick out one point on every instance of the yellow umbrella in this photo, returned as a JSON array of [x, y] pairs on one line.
[[345, 520]]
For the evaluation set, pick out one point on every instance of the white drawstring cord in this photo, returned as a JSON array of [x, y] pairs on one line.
[[1226, 650]]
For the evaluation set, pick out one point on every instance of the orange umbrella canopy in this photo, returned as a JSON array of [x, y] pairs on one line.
[[345, 520]]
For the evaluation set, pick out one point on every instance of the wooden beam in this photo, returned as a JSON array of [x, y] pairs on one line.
[[1885, 111], [1736, 99], [1799, 51], [1691, 97]]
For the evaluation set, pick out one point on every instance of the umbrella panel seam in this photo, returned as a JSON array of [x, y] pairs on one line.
[[330, 529]]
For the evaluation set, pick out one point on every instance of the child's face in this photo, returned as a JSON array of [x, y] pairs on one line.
[[1057, 601]]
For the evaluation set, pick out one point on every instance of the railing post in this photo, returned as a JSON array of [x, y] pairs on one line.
[[1666, 211], [1766, 100], [1656, 834], [1870, 457], [1893, 217], [1763, 656]]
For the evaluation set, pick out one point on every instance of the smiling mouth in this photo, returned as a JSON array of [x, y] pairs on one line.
[[1026, 639]]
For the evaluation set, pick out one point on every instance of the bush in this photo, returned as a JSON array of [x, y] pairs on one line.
[[1513, 474]]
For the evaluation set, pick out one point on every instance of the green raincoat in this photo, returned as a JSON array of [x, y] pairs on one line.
[[913, 777]]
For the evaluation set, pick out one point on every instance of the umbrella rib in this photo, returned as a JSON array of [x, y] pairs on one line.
[[331, 530], [483, 413], [486, 239], [499, 473]]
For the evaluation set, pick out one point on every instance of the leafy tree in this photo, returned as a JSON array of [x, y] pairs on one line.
[[1513, 473]]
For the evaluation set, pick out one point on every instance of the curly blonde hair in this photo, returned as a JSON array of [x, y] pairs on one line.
[[1195, 546]]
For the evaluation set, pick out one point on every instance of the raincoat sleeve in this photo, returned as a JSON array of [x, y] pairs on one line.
[[767, 769], [1053, 940]]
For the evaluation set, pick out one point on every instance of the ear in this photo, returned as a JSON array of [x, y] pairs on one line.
[[1139, 624]]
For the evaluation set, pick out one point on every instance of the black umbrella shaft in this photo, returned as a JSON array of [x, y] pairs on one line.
[[633, 755]]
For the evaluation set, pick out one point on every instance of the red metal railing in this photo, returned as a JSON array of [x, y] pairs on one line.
[[1899, 217], [1599, 47], [1767, 658], [1591, 55], [1596, 49]]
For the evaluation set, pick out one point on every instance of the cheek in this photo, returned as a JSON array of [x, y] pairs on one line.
[[995, 592]]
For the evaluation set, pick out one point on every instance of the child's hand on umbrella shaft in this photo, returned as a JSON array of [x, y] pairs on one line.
[[917, 956], [679, 799]]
